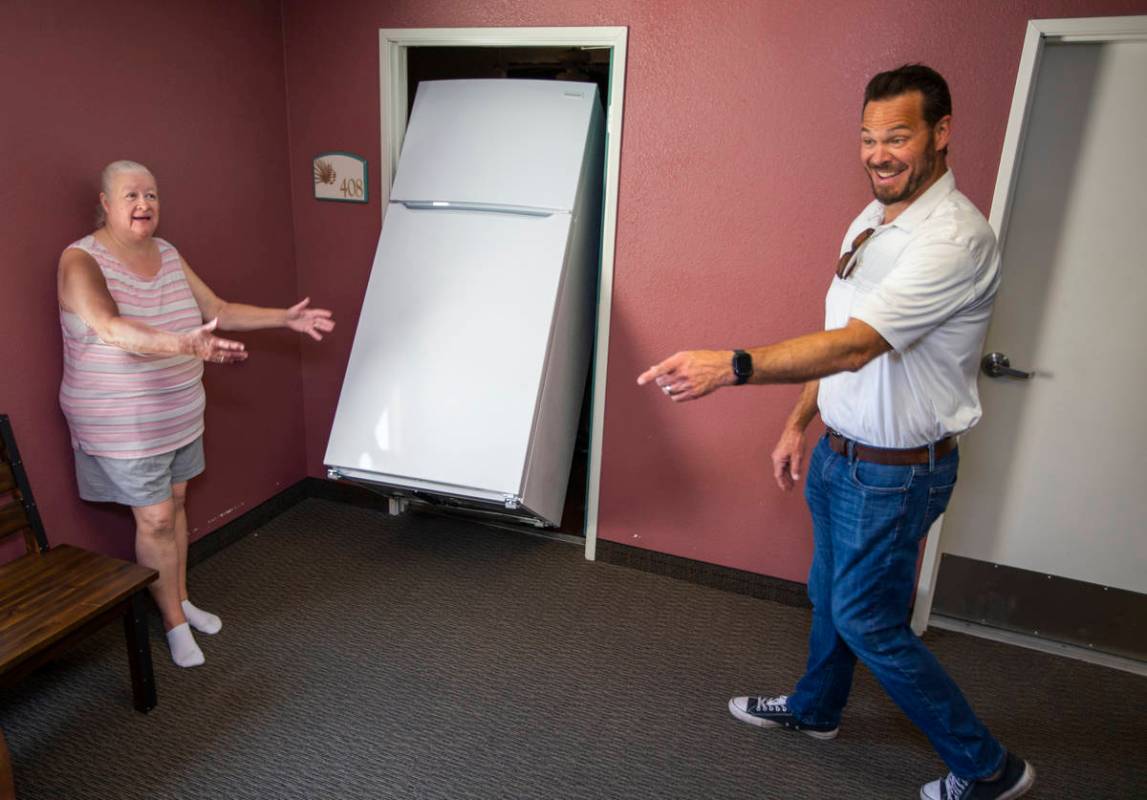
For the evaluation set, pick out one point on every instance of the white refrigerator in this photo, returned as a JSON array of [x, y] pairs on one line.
[[468, 367]]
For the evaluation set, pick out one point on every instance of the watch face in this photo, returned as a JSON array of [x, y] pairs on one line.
[[742, 364]]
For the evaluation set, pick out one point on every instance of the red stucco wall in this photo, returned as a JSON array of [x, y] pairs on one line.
[[739, 174]]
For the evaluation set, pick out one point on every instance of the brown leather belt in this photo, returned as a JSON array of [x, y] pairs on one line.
[[888, 455]]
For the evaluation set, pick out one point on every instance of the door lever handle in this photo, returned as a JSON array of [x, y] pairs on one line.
[[997, 365]]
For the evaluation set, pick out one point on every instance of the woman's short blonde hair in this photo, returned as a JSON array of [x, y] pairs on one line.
[[110, 171]]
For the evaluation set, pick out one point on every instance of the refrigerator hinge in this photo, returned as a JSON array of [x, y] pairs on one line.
[[511, 501], [334, 474]]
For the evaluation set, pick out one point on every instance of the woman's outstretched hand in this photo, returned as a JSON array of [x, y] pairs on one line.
[[204, 345], [312, 321]]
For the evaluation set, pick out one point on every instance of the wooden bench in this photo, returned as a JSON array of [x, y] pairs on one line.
[[50, 598]]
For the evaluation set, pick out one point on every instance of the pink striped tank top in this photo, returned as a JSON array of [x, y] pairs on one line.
[[125, 405]]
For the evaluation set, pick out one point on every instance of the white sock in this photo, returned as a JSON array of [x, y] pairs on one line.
[[184, 651], [202, 621]]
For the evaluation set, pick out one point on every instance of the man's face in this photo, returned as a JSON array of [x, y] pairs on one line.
[[899, 150]]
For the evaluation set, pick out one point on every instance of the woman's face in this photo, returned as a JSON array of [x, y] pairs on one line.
[[132, 205]]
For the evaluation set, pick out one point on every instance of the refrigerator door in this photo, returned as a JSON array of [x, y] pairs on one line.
[[445, 372], [500, 143]]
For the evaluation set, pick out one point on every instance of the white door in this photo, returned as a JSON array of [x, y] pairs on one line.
[[444, 375], [1052, 480], [513, 143]]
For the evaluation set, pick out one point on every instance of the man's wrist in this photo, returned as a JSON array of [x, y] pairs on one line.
[[795, 427], [741, 367]]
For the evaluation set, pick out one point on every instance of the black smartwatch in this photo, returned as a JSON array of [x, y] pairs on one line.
[[742, 367]]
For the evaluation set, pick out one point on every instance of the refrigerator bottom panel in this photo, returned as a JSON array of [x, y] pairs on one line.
[[500, 504]]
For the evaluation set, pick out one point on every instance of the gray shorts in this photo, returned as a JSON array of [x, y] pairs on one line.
[[137, 481]]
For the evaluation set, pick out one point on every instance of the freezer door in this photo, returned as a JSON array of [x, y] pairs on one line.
[[445, 372], [515, 143]]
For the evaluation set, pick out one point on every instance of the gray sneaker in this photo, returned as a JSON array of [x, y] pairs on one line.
[[1015, 780], [773, 712]]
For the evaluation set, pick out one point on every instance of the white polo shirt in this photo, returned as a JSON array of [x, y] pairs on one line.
[[926, 283]]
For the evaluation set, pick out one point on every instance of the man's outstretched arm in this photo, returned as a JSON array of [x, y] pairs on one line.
[[691, 374]]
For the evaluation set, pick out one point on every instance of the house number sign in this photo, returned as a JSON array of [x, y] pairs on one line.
[[341, 177]]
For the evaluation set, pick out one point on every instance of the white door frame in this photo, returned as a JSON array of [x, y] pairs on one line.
[[1039, 33], [393, 44]]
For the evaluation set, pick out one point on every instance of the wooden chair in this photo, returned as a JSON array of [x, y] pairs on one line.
[[50, 598]]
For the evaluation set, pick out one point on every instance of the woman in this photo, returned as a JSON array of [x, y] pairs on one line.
[[132, 313]]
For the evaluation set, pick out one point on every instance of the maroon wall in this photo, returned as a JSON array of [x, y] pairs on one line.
[[195, 91], [739, 173]]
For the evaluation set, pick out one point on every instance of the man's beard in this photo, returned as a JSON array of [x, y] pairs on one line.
[[888, 196]]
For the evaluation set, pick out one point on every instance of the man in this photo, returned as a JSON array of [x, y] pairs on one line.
[[893, 376]]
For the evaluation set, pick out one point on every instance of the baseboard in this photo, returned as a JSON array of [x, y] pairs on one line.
[[727, 579], [205, 547], [714, 576]]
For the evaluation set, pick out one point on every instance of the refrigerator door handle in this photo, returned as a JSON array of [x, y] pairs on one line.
[[492, 208]]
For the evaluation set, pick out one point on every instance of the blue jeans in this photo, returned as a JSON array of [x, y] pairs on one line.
[[868, 520]]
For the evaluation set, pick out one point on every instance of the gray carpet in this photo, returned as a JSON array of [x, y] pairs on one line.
[[364, 656]]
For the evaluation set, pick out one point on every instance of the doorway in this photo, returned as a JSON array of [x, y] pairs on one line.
[[594, 55], [589, 65], [1043, 544]]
